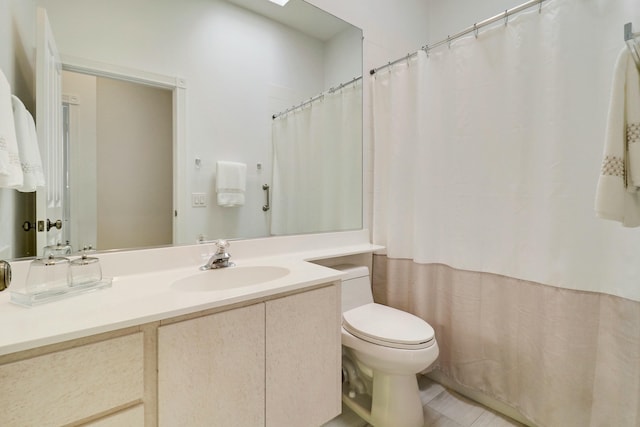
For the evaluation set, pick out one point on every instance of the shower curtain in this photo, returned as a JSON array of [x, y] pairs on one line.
[[317, 165], [487, 155]]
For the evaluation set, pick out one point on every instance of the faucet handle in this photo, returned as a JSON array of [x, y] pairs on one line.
[[222, 245], [220, 259]]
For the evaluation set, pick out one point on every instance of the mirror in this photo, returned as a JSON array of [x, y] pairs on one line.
[[238, 62]]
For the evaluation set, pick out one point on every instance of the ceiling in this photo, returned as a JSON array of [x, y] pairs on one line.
[[299, 15]]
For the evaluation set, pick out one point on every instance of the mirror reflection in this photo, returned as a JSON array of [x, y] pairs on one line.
[[216, 73]]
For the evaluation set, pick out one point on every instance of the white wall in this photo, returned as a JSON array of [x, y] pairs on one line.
[[340, 64], [17, 44], [390, 28]]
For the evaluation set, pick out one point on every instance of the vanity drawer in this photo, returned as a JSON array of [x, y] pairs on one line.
[[72, 385]]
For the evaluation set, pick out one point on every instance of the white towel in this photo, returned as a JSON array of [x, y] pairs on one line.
[[10, 169], [633, 123], [27, 147], [231, 178], [617, 195]]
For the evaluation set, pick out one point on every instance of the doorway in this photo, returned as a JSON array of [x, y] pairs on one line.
[[119, 151]]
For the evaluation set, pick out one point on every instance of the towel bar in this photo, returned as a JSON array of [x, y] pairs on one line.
[[633, 43], [266, 207]]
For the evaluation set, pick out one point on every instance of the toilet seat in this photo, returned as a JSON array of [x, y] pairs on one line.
[[386, 326]]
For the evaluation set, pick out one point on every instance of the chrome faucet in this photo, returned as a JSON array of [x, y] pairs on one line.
[[220, 259]]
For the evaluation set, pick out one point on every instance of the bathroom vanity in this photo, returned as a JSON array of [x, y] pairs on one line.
[[147, 352]]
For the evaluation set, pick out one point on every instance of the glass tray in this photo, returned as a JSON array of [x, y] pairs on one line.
[[36, 298]]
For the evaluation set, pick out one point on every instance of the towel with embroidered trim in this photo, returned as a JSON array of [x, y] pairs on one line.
[[10, 168], [618, 190]]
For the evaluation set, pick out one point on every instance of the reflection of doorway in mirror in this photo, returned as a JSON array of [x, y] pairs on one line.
[[120, 162]]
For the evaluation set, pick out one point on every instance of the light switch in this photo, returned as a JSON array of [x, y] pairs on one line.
[[198, 200]]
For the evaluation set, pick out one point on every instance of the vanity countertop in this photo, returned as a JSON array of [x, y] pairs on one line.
[[143, 297]]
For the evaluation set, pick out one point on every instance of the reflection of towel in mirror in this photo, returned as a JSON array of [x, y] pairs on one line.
[[231, 180], [27, 147], [10, 169], [618, 191]]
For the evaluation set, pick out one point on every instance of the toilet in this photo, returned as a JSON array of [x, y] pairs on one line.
[[383, 349]]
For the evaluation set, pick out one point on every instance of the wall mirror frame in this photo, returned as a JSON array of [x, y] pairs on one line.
[[193, 164]]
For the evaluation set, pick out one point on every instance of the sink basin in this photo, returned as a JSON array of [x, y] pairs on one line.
[[228, 278]]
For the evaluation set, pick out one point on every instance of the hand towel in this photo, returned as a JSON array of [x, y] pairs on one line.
[[617, 195], [632, 105], [28, 149], [10, 169], [231, 178]]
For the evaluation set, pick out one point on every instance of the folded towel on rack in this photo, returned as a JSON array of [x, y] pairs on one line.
[[28, 149], [231, 178], [10, 169], [618, 191]]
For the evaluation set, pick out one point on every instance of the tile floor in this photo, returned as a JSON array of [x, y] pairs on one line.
[[442, 408]]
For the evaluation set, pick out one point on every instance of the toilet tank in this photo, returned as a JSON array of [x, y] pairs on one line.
[[356, 286]]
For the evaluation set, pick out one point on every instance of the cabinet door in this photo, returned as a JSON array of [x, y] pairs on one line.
[[303, 377], [211, 370], [72, 385]]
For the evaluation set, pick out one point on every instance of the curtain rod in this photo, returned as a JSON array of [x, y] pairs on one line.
[[315, 98], [472, 29]]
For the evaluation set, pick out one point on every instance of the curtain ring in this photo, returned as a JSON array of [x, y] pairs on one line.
[[449, 41], [475, 30], [540, 6], [426, 49], [506, 17]]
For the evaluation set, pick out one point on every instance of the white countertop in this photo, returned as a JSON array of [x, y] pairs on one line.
[[143, 297]]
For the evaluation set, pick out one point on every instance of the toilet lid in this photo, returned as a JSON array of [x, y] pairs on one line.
[[387, 326]]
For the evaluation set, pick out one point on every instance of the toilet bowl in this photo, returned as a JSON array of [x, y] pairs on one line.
[[383, 350]]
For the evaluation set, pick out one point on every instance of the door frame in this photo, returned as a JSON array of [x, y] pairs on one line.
[[49, 130], [178, 87]]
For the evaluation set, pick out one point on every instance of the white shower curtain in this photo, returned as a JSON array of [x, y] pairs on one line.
[[487, 156], [317, 165]]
